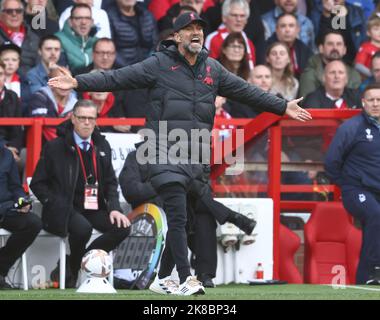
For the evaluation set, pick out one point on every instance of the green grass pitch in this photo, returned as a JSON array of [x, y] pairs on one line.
[[222, 292]]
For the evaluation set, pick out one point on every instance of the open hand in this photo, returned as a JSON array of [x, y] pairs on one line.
[[294, 111], [65, 81]]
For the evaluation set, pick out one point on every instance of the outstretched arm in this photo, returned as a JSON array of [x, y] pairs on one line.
[[137, 76], [235, 88]]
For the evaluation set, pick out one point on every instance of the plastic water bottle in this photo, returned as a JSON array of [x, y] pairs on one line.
[[259, 272]]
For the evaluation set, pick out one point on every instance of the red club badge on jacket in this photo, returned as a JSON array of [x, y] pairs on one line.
[[208, 79]]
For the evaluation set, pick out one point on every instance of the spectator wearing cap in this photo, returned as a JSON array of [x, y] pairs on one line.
[[13, 29], [77, 37], [10, 56], [134, 32], [10, 108]]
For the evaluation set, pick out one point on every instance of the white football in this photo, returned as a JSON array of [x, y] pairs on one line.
[[97, 263]]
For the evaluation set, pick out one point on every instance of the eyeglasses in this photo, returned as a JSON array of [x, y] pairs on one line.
[[11, 12], [84, 119], [235, 47], [87, 19], [105, 53]]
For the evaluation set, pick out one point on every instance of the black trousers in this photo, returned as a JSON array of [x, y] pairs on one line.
[[80, 230], [24, 229], [203, 244], [202, 237], [175, 252]]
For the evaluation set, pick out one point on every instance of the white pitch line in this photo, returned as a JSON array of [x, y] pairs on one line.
[[352, 287]]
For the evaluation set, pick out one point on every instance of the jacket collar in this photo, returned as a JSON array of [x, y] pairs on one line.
[[169, 47], [371, 120]]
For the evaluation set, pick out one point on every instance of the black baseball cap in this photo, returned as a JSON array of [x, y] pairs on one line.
[[187, 18], [7, 45]]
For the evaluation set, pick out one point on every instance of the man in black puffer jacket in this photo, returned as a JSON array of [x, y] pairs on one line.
[[183, 83]]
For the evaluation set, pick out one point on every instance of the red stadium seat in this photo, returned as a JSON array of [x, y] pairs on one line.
[[331, 240], [289, 243]]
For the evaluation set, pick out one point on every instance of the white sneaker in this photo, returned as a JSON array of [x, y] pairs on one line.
[[190, 286], [164, 286]]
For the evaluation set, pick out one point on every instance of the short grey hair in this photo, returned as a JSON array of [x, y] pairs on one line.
[[3, 1], [84, 103], [227, 4]]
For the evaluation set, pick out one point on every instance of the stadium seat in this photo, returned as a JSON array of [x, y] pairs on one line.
[[330, 240], [4, 233], [289, 243]]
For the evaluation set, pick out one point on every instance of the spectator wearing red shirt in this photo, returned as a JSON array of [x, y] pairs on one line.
[[369, 48], [235, 15], [106, 105]]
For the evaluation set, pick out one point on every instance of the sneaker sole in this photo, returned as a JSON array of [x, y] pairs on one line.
[[157, 290], [200, 292], [197, 293]]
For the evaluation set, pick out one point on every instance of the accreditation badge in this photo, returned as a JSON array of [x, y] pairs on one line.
[[91, 197]]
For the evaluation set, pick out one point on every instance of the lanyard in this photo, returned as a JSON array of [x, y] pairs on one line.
[[93, 161]]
